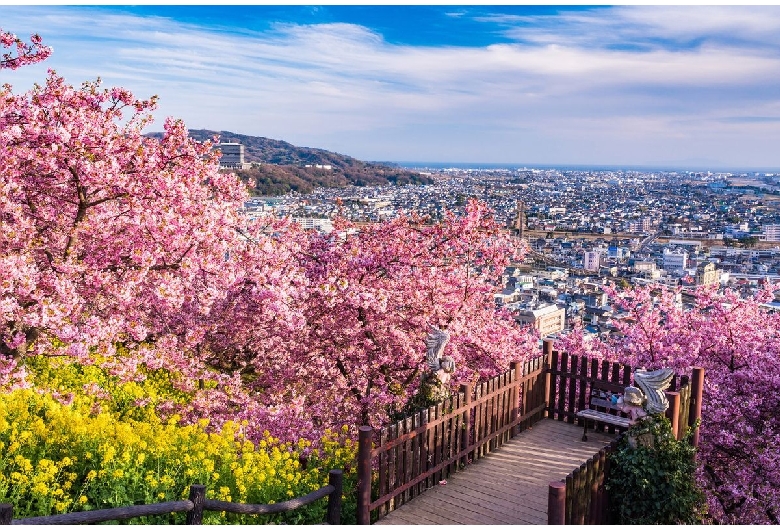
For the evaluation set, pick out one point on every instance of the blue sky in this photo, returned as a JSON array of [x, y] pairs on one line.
[[695, 86]]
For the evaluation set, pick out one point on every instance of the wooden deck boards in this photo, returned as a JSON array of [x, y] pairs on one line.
[[509, 486]]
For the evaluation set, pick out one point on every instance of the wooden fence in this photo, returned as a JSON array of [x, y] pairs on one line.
[[581, 497], [569, 386], [194, 507], [402, 460], [417, 452]]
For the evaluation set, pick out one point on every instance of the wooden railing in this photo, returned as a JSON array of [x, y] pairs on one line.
[[569, 385], [581, 497], [417, 452], [402, 460], [194, 507]]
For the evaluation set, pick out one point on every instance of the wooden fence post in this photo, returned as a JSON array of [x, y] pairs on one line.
[[335, 479], [516, 412], [697, 392], [556, 503], [547, 348], [364, 475], [6, 513], [673, 412], [198, 498], [465, 434]]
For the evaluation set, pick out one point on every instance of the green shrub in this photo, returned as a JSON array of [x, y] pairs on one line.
[[652, 477]]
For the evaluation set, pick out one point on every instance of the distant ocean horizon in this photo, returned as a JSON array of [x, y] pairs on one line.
[[584, 167]]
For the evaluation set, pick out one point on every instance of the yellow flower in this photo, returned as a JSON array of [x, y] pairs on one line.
[[83, 499], [40, 489]]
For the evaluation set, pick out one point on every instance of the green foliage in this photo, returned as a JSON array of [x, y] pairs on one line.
[[431, 392], [652, 477], [283, 166]]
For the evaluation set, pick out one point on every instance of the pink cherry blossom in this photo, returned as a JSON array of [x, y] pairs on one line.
[[737, 341], [23, 53]]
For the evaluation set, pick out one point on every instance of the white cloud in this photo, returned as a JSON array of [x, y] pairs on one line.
[[639, 82]]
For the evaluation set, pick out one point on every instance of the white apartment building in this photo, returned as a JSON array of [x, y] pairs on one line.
[[675, 260], [591, 261], [310, 223], [770, 233]]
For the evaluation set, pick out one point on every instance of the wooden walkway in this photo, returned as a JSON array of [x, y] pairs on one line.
[[510, 485]]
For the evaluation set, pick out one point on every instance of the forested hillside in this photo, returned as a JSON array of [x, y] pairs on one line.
[[283, 166]]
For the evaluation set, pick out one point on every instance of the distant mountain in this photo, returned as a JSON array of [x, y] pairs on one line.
[[283, 166]]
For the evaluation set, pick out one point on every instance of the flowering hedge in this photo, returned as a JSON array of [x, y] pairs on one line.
[[62, 451]]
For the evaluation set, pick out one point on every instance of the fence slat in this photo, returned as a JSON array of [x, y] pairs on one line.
[[570, 492], [562, 386], [383, 486], [467, 431], [582, 383], [551, 383], [414, 450], [571, 395]]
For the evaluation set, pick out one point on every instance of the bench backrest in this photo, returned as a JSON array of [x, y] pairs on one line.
[[601, 392]]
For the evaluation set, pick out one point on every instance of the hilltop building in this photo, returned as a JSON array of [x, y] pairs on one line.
[[232, 156]]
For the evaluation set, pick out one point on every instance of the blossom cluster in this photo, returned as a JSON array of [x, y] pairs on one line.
[[737, 341], [25, 54]]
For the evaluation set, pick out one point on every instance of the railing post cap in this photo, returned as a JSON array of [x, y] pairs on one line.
[[365, 428], [558, 485], [336, 472]]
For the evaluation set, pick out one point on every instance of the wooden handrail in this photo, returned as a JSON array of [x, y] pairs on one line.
[[109, 514], [417, 451], [194, 507]]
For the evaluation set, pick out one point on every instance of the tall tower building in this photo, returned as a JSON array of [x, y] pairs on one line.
[[519, 224]]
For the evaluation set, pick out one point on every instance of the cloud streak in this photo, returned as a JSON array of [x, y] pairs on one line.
[[630, 84]]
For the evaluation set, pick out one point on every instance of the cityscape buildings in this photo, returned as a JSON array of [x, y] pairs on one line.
[[584, 229]]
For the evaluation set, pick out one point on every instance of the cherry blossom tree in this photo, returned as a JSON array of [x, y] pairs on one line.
[[22, 53], [737, 341], [373, 294], [107, 234], [111, 238]]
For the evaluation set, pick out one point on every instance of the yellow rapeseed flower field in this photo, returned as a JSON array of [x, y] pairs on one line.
[[59, 455]]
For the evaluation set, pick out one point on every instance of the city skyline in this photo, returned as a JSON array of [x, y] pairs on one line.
[[688, 86]]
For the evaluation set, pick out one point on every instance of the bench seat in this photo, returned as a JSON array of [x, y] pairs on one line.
[[604, 417], [600, 397]]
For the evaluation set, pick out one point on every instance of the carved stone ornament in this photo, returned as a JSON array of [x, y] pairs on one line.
[[653, 384], [441, 366]]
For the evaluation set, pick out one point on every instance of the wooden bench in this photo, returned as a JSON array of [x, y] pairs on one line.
[[601, 409]]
